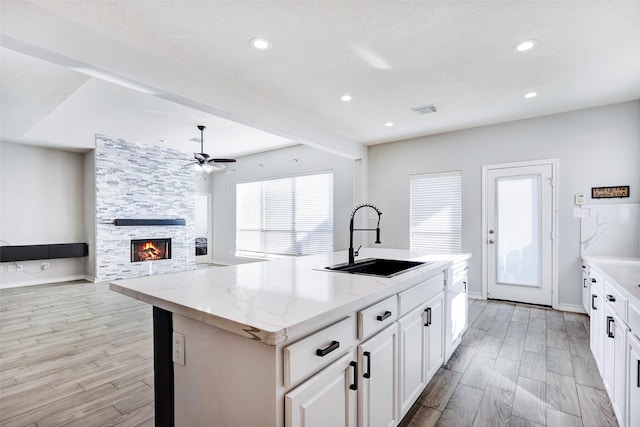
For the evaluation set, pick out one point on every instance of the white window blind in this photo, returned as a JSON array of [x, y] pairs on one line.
[[285, 216], [436, 212]]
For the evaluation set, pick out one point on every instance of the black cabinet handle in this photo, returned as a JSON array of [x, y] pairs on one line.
[[428, 311], [584, 283], [638, 382], [354, 386], [609, 331], [593, 301], [465, 287], [611, 298], [322, 352], [384, 316], [593, 280], [368, 356]]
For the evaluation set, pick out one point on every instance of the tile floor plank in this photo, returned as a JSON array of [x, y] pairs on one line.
[[531, 400], [462, 407], [561, 393], [495, 408]]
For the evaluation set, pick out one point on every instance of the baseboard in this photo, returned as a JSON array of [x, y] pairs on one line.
[[571, 307], [42, 281], [474, 295], [90, 278]]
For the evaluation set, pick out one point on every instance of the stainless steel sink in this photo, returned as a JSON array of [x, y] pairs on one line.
[[377, 267]]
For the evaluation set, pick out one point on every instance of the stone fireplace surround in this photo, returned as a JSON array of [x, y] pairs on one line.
[[140, 181]]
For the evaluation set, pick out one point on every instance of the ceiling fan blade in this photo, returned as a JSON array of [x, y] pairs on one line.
[[222, 161], [191, 164]]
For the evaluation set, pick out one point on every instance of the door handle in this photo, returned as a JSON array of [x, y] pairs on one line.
[[354, 365], [368, 356], [609, 331], [593, 302]]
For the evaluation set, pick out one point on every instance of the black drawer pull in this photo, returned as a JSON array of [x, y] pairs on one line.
[[384, 316], [428, 311], [368, 356], [638, 383], [593, 302], [609, 330], [354, 386], [593, 280], [611, 298], [322, 352]]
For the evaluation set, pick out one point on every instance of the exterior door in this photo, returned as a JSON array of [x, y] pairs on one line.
[[519, 212]]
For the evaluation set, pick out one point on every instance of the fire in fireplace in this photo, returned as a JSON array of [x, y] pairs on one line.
[[150, 249]]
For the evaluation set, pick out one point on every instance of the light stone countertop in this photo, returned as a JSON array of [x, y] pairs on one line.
[[623, 271], [280, 300]]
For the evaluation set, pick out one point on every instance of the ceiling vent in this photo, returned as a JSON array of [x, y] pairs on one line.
[[427, 109]]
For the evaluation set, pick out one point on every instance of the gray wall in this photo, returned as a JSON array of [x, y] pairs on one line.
[[273, 164], [41, 201], [595, 147]]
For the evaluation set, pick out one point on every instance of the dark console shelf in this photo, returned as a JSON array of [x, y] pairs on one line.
[[33, 252], [146, 222]]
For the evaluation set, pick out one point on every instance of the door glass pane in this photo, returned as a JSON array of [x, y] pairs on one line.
[[518, 230]]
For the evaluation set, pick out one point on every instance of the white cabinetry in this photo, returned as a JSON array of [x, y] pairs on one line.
[[378, 391], [456, 306], [597, 324], [586, 289], [614, 361], [326, 399], [434, 330], [413, 353], [633, 380]]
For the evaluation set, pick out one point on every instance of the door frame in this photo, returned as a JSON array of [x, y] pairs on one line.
[[554, 221], [208, 258]]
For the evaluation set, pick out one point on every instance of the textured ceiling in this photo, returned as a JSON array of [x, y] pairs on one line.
[[389, 55]]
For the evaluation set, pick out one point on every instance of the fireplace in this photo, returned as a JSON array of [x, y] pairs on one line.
[[150, 249]]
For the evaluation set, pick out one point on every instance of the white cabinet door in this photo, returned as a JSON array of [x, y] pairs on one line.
[[435, 334], [614, 362], [633, 380], [586, 292], [378, 391], [597, 327], [412, 354], [326, 399]]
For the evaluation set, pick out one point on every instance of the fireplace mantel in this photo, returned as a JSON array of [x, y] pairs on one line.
[[148, 222]]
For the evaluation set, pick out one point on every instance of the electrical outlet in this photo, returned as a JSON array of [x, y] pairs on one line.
[[178, 348], [45, 265], [20, 267], [580, 212]]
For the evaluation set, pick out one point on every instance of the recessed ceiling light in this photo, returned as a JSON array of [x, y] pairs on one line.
[[524, 46], [530, 95], [260, 43], [346, 98], [388, 124]]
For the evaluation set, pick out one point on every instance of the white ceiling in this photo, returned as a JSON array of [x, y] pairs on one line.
[[189, 62]]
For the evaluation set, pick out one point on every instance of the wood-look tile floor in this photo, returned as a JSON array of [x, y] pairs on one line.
[[78, 354], [75, 354], [518, 365]]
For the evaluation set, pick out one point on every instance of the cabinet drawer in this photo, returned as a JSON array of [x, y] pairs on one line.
[[616, 300], [413, 297], [316, 351], [377, 316], [633, 320], [596, 281]]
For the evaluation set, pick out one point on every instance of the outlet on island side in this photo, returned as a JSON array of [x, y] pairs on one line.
[[178, 348]]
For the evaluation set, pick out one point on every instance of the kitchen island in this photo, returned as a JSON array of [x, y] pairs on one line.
[[261, 339]]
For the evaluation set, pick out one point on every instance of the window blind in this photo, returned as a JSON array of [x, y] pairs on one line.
[[285, 216], [436, 212]]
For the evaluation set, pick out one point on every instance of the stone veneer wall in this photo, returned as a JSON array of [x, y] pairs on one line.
[[141, 181]]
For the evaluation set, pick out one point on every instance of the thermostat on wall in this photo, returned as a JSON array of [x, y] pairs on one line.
[[580, 199]]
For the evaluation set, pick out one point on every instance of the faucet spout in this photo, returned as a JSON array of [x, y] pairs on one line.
[[352, 229]]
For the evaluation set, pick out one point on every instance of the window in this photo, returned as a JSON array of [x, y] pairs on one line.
[[285, 216], [436, 212]]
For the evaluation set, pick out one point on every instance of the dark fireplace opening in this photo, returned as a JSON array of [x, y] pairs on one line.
[[150, 249]]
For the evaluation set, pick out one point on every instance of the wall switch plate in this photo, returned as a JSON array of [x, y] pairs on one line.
[[178, 348], [580, 199], [45, 265], [580, 213]]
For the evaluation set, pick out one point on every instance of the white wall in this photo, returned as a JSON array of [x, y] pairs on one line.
[[595, 147], [278, 163], [41, 193], [89, 199]]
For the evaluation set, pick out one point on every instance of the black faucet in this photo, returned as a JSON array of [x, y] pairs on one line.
[[352, 253]]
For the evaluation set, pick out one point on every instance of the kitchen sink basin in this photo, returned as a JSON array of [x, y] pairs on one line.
[[377, 267]]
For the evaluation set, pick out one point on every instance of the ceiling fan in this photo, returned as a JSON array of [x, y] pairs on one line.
[[203, 163]]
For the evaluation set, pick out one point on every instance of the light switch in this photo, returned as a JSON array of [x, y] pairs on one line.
[[580, 199]]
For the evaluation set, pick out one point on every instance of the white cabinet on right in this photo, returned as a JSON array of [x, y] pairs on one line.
[[614, 362], [597, 322], [633, 380]]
